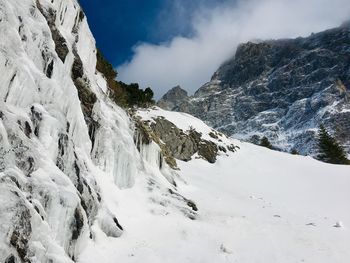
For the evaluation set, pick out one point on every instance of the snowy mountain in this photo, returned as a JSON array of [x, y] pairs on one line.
[[83, 180], [281, 89]]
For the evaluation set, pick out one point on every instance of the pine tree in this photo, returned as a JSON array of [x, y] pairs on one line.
[[294, 152], [265, 142], [330, 151], [148, 94]]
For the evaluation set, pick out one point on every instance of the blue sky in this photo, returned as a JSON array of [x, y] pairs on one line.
[[164, 43], [119, 25]]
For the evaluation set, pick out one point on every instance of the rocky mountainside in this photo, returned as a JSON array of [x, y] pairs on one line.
[[281, 89]]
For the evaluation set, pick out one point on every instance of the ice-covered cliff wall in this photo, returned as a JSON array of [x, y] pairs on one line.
[[61, 138]]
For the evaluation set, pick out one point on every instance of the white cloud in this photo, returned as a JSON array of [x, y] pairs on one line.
[[191, 61]]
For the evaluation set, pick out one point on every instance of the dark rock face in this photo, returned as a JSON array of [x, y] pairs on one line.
[[173, 98], [81, 82], [16, 226], [281, 89], [21, 233], [77, 224], [10, 259], [208, 150], [180, 145], [61, 47]]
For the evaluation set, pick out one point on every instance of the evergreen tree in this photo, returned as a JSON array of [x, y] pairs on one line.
[[265, 142], [294, 152], [330, 151], [125, 95], [149, 95], [103, 66]]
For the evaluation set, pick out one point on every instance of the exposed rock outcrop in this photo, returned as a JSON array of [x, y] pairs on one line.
[[176, 143]]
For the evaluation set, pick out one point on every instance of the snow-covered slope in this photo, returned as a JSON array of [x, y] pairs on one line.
[[80, 182], [254, 205]]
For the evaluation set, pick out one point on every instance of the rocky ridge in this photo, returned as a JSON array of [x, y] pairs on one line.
[[281, 89]]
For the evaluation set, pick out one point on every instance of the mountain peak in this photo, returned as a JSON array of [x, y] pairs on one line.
[[173, 98]]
